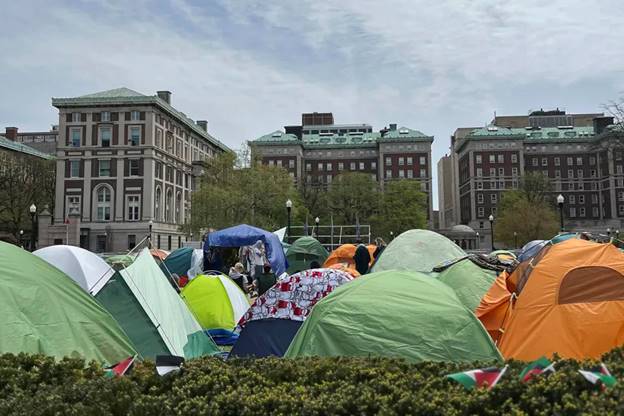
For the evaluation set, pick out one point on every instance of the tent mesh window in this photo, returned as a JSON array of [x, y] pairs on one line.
[[529, 266], [591, 284]]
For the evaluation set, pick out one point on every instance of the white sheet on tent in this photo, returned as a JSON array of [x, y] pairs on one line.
[[159, 300], [197, 264], [238, 300], [85, 268], [281, 233]]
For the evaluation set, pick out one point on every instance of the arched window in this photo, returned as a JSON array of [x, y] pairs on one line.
[[178, 208], [168, 206], [103, 205], [158, 204]]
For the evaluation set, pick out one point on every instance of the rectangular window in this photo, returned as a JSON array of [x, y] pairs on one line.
[[105, 116], [593, 173], [401, 173], [319, 167], [134, 167], [352, 166], [595, 211], [479, 185], [579, 161], [595, 198], [159, 142], [388, 161], [423, 173], [329, 167], [480, 212], [514, 158], [340, 166], [570, 173], [291, 164], [361, 165], [410, 174], [534, 161], [373, 177], [618, 169], [74, 171], [572, 199], [592, 161], [134, 207], [570, 161], [410, 161], [492, 158], [478, 159], [278, 163], [135, 115], [514, 171], [73, 204], [423, 160], [501, 171], [494, 211], [492, 171], [373, 165], [544, 161], [388, 174], [493, 198], [479, 198], [131, 241], [75, 137], [581, 211], [105, 136], [271, 162], [579, 173], [135, 135], [76, 117], [401, 161], [557, 161], [581, 199], [308, 167], [501, 158], [329, 178], [572, 212], [557, 174], [105, 168], [479, 172]]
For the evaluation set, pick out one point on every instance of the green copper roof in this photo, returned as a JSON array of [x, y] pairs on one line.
[[126, 96], [22, 148], [544, 133], [344, 140]]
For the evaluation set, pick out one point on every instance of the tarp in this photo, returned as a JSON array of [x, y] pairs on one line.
[[469, 281], [85, 268], [417, 251], [394, 314], [304, 251], [570, 301], [45, 312], [178, 328], [246, 235], [216, 301]]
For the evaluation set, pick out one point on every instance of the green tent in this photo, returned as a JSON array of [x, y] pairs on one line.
[[151, 312], [178, 261], [417, 251], [394, 314], [304, 251], [469, 281], [45, 312]]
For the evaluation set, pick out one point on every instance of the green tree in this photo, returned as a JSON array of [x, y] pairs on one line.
[[526, 211], [352, 196], [24, 180], [403, 206]]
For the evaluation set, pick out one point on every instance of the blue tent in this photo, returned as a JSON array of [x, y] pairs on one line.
[[246, 235], [531, 249], [265, 338]]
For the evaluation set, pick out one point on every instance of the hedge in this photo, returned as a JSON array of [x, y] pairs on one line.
[[38, 385]]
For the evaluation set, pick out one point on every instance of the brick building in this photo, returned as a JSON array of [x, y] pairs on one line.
[[318, 150], [582, 158], [44, 141], [124, 159]]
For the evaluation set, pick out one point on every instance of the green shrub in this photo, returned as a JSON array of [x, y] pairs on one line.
[[37, 385]]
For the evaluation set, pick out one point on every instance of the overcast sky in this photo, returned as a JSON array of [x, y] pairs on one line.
[[250, 67]]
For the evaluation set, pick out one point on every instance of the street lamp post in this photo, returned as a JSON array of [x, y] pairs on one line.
[[617, 234], [151, 224], [515, 239], [609, 232], [21, 238], [491, 219], [316, 221], [33, 213], [477, 240], [391, 235], [288, 210], [560, 201]]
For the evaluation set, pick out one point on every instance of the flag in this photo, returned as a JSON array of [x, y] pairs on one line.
[[120, 368], [599, 374], [165, 364], [540, 366], [484, 377]]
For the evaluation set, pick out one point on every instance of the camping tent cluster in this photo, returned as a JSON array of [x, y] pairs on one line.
[[425, 299]]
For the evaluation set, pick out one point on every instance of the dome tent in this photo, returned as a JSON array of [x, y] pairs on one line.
[[469, 281], [394, 314], [272, 321], [217, 302], [45, 312], [90, 271], [342, 258], [304, 251], [417, 251], [149, 309]]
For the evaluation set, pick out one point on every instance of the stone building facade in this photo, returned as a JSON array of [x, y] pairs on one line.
[[125, 162]]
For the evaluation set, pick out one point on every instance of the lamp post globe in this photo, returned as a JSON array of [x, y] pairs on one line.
[[477, 238], [560, 201], [316, 221], [491, 219]]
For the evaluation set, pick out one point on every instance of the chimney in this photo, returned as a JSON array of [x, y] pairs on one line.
[[165, 96], [11, 133], [393, 126], [203, 124], [600, 124]]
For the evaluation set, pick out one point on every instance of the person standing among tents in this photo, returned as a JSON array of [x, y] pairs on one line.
[[237, 274], [257, 259], [361, 258], [381, 246]]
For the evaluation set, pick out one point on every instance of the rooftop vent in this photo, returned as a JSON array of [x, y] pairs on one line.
[[492, 128], [355, 133], [326, 134], [203, 124], [277, 134], [565, 127], [403, 131], [165, 96]]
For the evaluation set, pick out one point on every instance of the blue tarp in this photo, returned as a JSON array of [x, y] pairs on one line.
[[246, 235], [265, 338], [531, 249]]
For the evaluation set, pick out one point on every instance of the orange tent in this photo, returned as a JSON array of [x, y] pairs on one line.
[[159, 254], [495, 306], [343, 256], [570, 301]]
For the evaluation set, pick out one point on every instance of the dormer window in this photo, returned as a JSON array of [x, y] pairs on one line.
[[105, 116]]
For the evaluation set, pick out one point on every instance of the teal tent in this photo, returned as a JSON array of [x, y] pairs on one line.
[[151, 312], [417, 251], [394, 314], [304, 251], [45, 312], [178, 261]]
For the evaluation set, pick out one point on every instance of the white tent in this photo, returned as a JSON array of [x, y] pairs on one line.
[[85, 268]]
